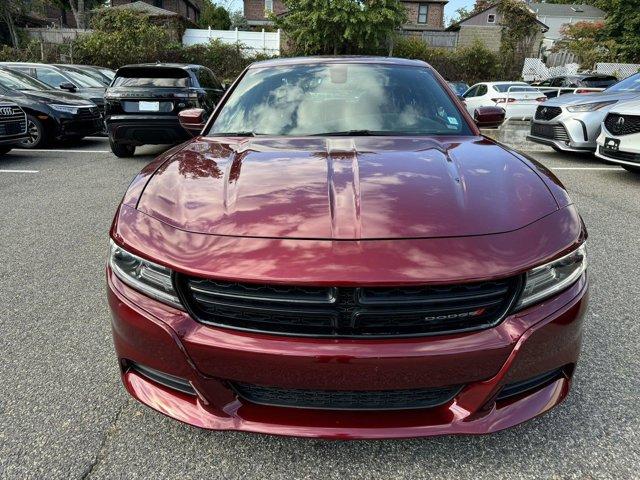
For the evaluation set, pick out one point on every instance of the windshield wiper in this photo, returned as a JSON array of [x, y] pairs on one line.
[[236, 134], [352, 133]]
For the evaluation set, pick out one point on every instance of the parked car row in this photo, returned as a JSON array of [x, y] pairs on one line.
[[139, 107], [61, 102], [608, 121]]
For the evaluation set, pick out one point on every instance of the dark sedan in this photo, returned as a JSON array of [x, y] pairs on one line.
[[51, 114]]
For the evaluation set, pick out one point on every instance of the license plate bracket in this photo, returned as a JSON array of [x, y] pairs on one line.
[[612, 144]]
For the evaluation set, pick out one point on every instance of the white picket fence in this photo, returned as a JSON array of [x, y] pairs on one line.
[[264, 42]]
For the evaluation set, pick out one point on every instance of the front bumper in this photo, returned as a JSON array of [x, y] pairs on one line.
[[145, 129], [540, 339], [629, 149], [573, 132], [12, 139]]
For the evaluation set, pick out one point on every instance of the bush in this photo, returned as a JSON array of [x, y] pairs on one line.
[[123, 37], [469, 64]]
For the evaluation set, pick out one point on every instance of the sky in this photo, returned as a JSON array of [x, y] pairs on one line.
[[453, 5]]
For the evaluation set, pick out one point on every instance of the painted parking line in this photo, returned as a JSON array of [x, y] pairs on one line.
[[64, 151], [615, 169], [19, 171]]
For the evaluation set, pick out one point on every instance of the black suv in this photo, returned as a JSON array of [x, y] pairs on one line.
[[143, 102], [13, 125], [569, 83], [51, 113]]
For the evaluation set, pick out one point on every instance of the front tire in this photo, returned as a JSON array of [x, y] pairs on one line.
[[122, 150], [37, 136], [631, 169]]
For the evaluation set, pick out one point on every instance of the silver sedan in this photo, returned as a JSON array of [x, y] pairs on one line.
[[572, 123]]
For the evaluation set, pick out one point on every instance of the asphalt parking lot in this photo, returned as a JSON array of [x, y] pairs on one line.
[[64, 414]]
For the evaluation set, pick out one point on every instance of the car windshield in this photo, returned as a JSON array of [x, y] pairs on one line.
[[515, 87], [339, 99], [83, 80], [631, 84], [151, 77], [18, 81], [599, 82]]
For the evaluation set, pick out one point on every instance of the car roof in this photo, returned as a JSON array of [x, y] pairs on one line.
[[319, 60], [184, 66]]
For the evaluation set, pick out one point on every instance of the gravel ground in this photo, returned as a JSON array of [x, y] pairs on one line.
[[64, 414]]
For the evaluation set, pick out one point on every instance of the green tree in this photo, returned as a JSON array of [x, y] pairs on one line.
[[519, 33], [588, 42], [238, 20], [214, 16], [622, 26], [460, 14], [339, 26]]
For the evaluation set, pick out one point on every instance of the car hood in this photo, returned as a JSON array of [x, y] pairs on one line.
[[346, 188], [51, 96], [576, 99], [627, 108], [96, 95]]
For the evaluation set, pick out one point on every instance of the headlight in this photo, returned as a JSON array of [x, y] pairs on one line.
[[65, 108], [145, 276], [549, 279], [590, 107]]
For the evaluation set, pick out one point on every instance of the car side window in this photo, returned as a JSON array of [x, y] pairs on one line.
[[50, 77], [569, 83], [471, 92], [482, 90], [207, 79], [557, 82]]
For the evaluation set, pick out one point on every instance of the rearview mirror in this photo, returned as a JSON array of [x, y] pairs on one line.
[[489, 117], [70, 87], [192, 120]]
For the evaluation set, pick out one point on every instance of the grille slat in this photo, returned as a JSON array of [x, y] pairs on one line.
[[622, 124], [547, 113], [348, 312], [554, 132], [346, 400]]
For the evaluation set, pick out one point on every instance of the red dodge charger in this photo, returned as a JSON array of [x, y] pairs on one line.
[[339, 253]]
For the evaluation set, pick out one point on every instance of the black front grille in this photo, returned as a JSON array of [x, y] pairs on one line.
[[349, 312], [622, 124], [347, 400], [13, 121], [88, 113], [553, 132], [625, 156], [547, 113]]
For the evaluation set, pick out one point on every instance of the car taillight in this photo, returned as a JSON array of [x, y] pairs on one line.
[[541, 99], [503, 100]]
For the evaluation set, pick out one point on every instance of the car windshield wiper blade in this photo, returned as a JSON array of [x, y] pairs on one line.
[[353, 133], [236, 134]]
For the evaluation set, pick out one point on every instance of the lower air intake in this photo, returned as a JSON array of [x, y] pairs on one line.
[[347, 400]]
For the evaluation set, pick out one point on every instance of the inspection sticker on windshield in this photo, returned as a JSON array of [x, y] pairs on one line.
[[149, 106], [453, 122]]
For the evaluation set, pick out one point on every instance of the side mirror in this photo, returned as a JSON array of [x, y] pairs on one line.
[[68, 86], [192, 120], [489, 117]]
